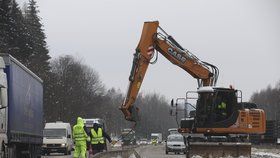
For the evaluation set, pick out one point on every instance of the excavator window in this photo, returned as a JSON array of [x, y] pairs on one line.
[[225, 103], [215, 106], [204, 109]]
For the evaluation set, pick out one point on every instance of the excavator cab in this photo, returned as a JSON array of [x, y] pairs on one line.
[[216, 107]]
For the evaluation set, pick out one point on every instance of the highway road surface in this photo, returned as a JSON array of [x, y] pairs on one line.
[[158, 151], [150, 151], [147, 151], [54, 155]]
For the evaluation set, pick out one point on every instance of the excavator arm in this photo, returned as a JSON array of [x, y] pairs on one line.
[[152, 39], [209, 118]]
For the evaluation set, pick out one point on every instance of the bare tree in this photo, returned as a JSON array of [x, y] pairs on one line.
[[76, 90], [75, 87], [269, 100]]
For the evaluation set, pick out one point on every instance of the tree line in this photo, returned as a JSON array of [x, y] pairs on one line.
[[269, 100], [78, 91], [72, 88]]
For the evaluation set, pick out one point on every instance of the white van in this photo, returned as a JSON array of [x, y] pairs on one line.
[[57, 138]]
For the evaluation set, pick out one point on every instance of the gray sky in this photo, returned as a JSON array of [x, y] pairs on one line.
[[240, 37]]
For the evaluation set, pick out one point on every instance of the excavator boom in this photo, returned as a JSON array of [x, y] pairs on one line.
[[141, 61], [150, 41]]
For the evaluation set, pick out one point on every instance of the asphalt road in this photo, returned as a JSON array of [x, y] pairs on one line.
[[158, 151], [147, 151], [54, 155], [150, 151]]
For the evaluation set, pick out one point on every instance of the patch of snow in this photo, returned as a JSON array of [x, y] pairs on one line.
[[132, 156], [265, 155], [196, 156]]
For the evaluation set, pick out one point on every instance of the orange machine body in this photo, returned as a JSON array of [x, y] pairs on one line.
[[248, 120]]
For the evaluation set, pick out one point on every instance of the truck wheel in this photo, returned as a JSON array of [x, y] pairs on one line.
[[67, 152], [11, 152], [4, 151], [33, 151]]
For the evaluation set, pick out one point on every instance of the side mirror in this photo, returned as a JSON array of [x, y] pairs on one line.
[[172, 103], [69, 136]]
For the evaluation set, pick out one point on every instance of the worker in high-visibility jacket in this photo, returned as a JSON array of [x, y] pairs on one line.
[[222, 110], [80, 137], [98, 136]]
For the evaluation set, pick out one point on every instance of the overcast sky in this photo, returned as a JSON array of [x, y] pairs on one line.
[[240, 37]]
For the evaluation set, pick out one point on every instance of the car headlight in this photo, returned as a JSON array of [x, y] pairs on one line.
[[63, 145]]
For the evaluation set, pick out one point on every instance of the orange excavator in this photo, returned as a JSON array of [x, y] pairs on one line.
[[233, 121]]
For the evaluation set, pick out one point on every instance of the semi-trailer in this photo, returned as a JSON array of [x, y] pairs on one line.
[[21, 110]]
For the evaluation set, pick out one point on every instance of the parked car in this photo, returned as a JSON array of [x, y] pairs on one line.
[[57, 138], [175, 143]]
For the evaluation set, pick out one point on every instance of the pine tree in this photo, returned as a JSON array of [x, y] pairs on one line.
[[3, 44], [5, 8], [39, 58], [13, 33]]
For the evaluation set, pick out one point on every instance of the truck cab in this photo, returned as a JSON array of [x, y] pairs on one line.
[[57, 138], [128, 137]]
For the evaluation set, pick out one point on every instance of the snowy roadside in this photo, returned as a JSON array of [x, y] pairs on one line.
[[260, 152], [265, 152]]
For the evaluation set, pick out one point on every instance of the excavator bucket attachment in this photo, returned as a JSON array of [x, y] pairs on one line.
[[134, 114], [219, 149]]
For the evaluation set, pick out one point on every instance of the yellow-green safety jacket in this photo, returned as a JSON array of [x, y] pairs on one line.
[[79, 133], [222, 107], [97, 137]]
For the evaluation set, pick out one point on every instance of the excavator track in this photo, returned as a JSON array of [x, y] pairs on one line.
[[219, 149]]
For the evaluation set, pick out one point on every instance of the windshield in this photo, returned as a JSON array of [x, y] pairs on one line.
[[54, 133], [173, 132], [175, 139]]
